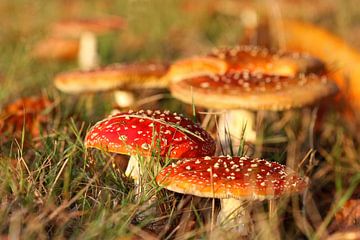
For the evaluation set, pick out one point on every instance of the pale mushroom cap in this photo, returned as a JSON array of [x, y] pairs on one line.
[[230, 177], [75, 27], [245, 90], [130, 76], [142, 132]]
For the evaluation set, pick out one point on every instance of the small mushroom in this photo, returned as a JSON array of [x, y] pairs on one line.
[[145, 132], [232, 180], [86, 30], [114, 77]]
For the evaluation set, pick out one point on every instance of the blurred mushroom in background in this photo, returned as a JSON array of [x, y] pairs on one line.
[[250, 79], [77, 37], [122, 79]]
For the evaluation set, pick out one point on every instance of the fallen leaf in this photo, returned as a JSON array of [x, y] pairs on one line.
[[24, 113], [349, 215]]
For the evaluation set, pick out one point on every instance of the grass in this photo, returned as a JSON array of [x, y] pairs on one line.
[[51, 187]]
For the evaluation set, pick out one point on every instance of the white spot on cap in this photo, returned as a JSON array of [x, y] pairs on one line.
[[145, 146], [122, 137], [204, 84]]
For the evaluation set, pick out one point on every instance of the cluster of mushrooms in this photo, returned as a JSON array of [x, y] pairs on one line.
[[240, 81]]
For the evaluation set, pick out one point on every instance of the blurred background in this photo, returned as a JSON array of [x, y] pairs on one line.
[[153, 31]]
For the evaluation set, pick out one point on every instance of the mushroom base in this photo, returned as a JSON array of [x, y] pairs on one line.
[[136, 170], [234, 215], [233, 125], [142, 190], [133, 169]]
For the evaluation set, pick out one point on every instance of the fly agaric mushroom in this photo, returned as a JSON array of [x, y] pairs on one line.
[[256, 59], [86, 30], [245, 58], [248, 59], [232, 180], [243, 92], [145, 132], [116, 76], [253, 91]]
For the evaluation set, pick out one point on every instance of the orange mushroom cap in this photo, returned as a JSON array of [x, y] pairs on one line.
[[230, 177], [130, 76], [257, 59], [246, 58]]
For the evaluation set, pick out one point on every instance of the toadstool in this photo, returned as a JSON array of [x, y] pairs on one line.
[[114, 77], [145, 132], [245, 64], [232, 180], [245, 58], [86, 30], [243, 92]]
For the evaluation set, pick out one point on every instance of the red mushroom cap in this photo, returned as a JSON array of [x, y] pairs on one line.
[[230, 177], [141, 132]]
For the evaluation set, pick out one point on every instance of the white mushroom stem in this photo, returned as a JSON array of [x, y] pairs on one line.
[[124, 98], [133, 169], [232, 124], [234, 214], [88, 55]]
